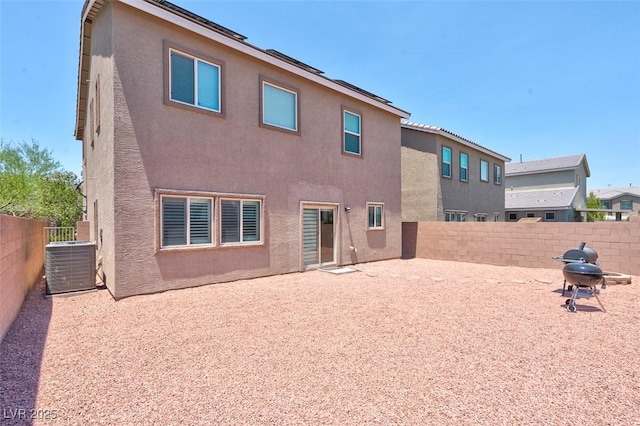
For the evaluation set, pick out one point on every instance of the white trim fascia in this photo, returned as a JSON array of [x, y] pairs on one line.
[[255, 52]]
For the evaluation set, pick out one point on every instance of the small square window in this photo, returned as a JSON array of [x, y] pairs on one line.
[[513, 217], [446, 162], [550, 216], [352, 135], [239, 221], [194, 82], [279, 107], [186, 221], [484, 171], [376, 216], [531, 215]]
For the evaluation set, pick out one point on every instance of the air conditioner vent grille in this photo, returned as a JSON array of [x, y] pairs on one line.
[[70, 266]]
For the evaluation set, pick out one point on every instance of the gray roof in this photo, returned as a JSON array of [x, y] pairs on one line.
[[610, 193], [547, 165], [232, 39], [548, 199], [449, 134]]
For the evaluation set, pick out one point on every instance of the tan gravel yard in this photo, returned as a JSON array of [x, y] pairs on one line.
[[400, 342]]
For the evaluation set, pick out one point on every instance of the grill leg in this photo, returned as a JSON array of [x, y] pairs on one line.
[[598, 299], [571, 306]]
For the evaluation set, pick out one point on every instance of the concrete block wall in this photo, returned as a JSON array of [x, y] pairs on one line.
[[21, 264], [531, 245]]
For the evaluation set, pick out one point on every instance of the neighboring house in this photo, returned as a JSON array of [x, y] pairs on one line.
[[207, 159], [553, 189], [446, 177], [620, 202]]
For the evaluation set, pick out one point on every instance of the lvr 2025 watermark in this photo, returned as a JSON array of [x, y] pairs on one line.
[[28, 414]]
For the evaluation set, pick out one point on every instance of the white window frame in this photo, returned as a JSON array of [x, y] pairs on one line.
[[456, 215], [509, 216], [466, 169], [376, 226], [345, 132], [188, 199], [195, 81], [484, 163], [240, 223], [216, 218], [530, 215], [481, 217], [295, 109], [450, 163], [497, 174]]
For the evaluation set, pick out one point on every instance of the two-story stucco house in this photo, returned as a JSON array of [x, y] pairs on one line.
[[552, 189], [619, 203], [446, 177], [207, 159]]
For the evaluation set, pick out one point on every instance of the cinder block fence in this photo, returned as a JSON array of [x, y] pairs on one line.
[[21, 264], [530, 245]]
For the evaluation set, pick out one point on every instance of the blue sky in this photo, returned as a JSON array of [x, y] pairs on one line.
[[538, 79]]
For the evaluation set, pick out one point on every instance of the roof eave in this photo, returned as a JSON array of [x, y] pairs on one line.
[[153, 9], [447, 134]]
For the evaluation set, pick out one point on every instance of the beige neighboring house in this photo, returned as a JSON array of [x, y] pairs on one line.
[[621, 203], [553, 189], [207, 159], [446, 177]]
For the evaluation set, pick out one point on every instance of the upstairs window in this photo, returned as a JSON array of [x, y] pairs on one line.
[[446, 162], [605, 204], [626, 205], [376, 217], [497, 174], [352, 143], [484, 171], [194, 82], [464, 167], [279, 107]]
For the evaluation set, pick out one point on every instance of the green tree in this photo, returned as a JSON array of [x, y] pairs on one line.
[[593, 202], [33, 184]]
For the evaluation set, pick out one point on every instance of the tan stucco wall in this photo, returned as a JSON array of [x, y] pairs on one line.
[[98, 172], [21, 263], [160, 146], [419, 183], [531, 245]]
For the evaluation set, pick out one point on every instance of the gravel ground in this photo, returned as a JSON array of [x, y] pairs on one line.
[[399, 342]]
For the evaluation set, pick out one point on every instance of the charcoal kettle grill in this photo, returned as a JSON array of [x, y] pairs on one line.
[[583, 275]]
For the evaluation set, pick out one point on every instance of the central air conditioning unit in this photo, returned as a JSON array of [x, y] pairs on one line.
[[70, 266]]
